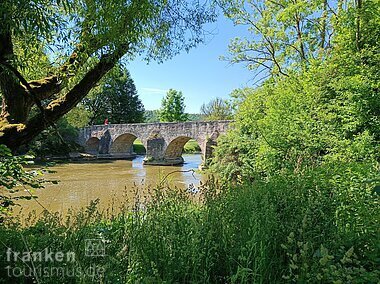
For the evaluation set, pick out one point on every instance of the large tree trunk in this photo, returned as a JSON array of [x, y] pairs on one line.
[[359, 5], [323, 25], [16, 103], [16, 128]]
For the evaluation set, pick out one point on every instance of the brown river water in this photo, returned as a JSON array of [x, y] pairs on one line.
[[113, 182]]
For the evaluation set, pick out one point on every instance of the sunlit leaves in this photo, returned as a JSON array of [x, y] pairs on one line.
[[173, 107], [155, 29], [217, 109], [285, 34], [36, 19]]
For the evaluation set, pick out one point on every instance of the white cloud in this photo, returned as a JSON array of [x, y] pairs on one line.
[[153, 91]]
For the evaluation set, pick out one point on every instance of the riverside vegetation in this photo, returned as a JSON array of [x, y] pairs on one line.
[[295, 193], [318, 227]]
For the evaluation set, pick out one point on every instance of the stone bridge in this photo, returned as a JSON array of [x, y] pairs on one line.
[[163, 141]]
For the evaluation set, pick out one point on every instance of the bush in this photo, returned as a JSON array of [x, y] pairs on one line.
[[15, 178], [56, 142], [320, 226]]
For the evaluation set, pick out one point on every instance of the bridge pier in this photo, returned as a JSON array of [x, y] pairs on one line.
[[156, 149]]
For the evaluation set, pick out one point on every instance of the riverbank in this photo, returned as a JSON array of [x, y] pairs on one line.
[[265, 232]]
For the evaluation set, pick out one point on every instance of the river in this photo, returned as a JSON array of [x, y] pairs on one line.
[[112, 181]]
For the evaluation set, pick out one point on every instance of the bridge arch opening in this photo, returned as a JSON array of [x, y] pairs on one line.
[[123, 144], [92, 145], [139, 147], [176, 148]]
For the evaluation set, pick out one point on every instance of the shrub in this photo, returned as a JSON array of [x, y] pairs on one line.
[[319, 226], [15, 178]]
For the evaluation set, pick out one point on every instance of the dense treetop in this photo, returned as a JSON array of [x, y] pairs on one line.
[[83, 40], [114, 99], [173, 107], [320, 101]]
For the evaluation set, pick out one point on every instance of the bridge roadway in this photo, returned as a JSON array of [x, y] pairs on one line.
[[163, 141]]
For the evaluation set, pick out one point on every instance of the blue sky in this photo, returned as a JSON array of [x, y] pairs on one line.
[[199, 74]]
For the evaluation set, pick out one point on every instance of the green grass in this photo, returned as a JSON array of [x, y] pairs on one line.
[[318, 227], [138, 147], [191, 147]]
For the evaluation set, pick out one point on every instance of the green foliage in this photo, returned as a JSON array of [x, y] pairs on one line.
[[138, 147], [285, 34], [39, 20], [191, 147], [148, 26], [318, 227], [38, 63], [304, 120], [173, 107], [217, 109], [298, 198], [326, 112], [152, 116], [82, 40], [195, 117], [15, 178], [78, 117], [116, 99], [59, 141]]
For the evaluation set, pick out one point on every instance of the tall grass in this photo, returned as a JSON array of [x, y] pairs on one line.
[[318, 227]]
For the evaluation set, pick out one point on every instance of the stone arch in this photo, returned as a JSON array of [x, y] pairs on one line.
[[174, 149], [92, 145], [123, 144]]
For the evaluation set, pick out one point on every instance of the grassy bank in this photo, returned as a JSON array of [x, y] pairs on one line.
[[313, 228], [191, 147]]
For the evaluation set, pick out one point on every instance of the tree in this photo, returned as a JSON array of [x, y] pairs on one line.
[[115, 99], [217, 109], [286, 34], [86, 39], [173, 107], [78, 117], [195, 117], [327, 113], [152, 116]]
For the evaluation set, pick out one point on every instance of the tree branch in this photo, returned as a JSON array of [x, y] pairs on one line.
[[15, 135], [47, 87]]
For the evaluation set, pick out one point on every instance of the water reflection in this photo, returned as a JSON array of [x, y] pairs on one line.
[[111, 181]]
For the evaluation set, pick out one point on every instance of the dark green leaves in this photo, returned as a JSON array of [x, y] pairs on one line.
[[16, 177]]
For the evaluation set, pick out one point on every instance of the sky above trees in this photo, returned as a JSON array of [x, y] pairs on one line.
[[199, 74]]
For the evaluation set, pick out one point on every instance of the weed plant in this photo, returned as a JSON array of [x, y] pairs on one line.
[[320, 226]]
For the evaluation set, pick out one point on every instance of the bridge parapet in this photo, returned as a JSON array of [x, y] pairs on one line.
[[163, 141]]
